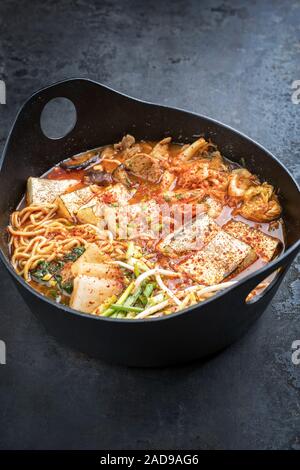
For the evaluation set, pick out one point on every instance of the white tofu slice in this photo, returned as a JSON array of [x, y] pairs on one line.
[[42, 191], [96, 209], [93, 263], [70, 203], [141, 220], [264, 245], [90, 291], [88, 215], [219, 258], [100, 270], [191, 237]]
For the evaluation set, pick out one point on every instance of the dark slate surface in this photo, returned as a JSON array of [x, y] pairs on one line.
[[232, 61]]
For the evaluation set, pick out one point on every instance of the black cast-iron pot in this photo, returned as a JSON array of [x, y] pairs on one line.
[[103, 117]]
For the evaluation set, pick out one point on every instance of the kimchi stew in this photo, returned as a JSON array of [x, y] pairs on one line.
[[142, 229]]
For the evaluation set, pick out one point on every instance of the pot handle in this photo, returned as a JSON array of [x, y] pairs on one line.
[[281, 265], [93, 103], [83, 93]]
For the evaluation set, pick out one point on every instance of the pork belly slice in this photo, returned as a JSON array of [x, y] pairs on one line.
[[220, 257], [145, 166], [264, 245], [193, 236]]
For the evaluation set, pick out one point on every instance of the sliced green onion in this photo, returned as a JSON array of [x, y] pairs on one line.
[[143, 299], [109, 311], [132, 298], [148, 289], [136, 270], [124, 308], [130, 250]]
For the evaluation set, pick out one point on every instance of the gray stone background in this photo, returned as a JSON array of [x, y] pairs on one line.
[[234, 61]]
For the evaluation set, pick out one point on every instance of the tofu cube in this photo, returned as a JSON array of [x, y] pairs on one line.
[[94, 211], [192, 236], [70, 203], [264, 245], [219, 258], [41, 191], [87, 215]]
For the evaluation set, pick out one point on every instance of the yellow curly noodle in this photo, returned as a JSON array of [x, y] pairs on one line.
[[37, 234]]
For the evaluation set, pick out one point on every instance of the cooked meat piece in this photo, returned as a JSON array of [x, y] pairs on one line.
[[263, 244], [220, 257], [161, 149], [260, 204], [42, 191], [120, 174], [193, 236], [102, 178], [126, 142], [145, 166], [108, 153]]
